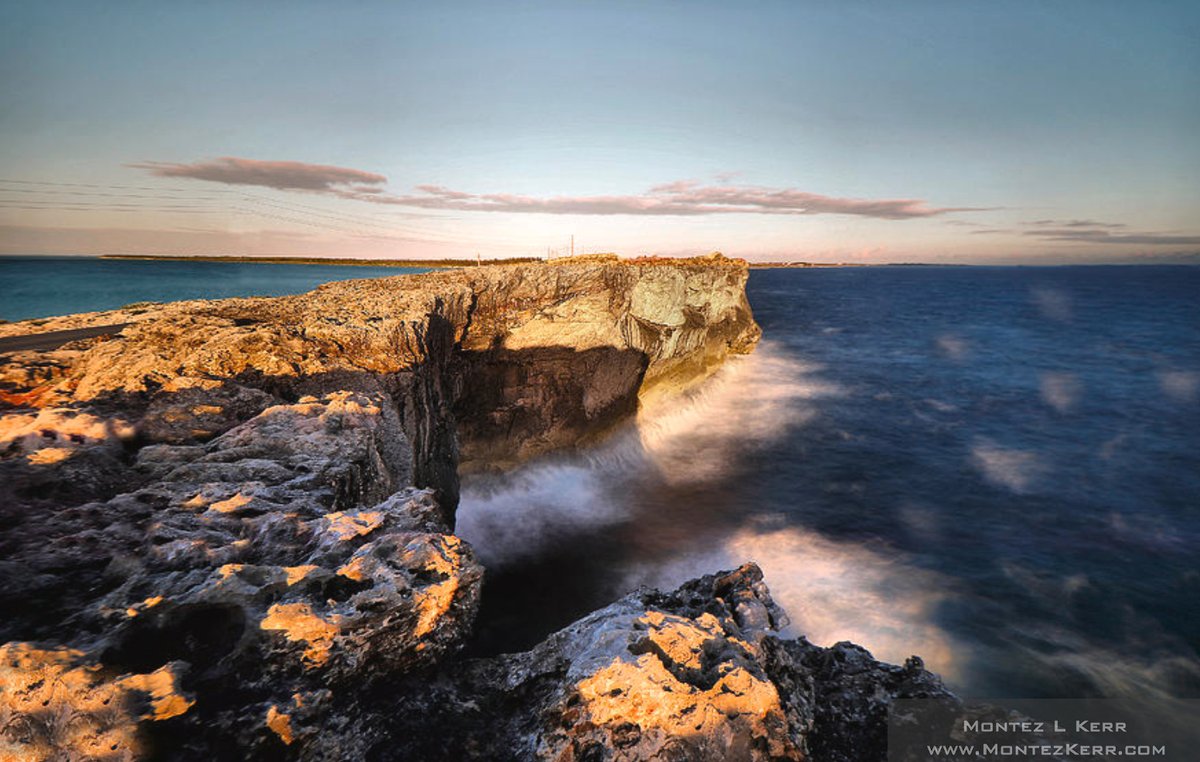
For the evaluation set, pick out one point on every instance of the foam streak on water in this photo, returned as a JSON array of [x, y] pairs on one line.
[[832, 591], [995, 468]]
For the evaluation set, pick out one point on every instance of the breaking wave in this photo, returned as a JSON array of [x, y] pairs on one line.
[[832, 591]]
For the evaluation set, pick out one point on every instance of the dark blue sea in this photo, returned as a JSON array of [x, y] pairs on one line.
[[997, 469], [34, 287]]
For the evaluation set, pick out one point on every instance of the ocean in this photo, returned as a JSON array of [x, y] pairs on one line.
[[997, 469], [35, 287]]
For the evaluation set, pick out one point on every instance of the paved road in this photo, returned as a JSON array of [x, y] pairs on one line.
[[41, 342]]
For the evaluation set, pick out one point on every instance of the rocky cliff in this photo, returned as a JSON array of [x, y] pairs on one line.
[[226, 531]]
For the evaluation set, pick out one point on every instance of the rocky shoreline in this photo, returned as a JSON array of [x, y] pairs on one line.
[[227, 532]]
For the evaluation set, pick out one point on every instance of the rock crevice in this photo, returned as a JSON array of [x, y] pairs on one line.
[[226, 531]]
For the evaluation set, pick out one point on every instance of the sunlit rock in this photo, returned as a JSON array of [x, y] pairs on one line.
[[700, 673], [56, 704]]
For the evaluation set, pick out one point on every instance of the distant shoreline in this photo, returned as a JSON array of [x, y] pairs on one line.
[[798, 265], [451, 263], [439, 263]]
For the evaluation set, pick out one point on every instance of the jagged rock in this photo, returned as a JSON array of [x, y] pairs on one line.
[[270, 563], [195, 410], [696, 674]]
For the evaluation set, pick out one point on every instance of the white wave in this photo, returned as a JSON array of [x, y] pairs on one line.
[[1139, 672], [695, 438], [751, 402], [954, 347], [1179, 386], [833, 591], [522, 514], [1017, 470], [941, 406], [1061, 391], [1052, 303]]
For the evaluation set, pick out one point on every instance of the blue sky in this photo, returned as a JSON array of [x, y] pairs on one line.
[[916, 131]]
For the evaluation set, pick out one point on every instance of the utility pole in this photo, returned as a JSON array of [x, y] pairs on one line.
[[572, 244]]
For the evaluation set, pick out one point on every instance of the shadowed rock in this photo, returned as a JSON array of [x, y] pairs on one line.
[[696, 674]]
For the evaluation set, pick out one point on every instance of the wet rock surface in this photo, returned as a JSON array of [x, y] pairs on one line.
[[226, 532]]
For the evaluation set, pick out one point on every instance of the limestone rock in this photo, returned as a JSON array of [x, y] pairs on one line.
[[286, 557], [196, 410], [54, 704], [484, 366], [696, 674]]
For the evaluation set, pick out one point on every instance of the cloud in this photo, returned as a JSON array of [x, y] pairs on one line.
[[281, 175], [678, 198], [1103, 236], [1091, 231], [1077, 224]]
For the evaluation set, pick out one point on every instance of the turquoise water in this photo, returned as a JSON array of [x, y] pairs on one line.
[[34, 287]]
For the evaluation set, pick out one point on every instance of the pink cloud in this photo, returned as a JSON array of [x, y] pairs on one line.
[[281, 175], [678, 198]]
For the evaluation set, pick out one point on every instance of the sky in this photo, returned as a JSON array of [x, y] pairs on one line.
[[994, 133]]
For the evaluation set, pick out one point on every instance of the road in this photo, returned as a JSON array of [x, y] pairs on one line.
[[42, 342]]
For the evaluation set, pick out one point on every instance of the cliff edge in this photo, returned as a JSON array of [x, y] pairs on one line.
[[227, 529]]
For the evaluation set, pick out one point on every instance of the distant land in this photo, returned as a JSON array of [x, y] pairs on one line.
[[441, 263], [466, 262], [778, 265], [325, 261]]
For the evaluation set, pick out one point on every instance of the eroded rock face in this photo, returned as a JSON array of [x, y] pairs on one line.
[[696, 674], [554, 357], [485, 366], [285, 561]]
